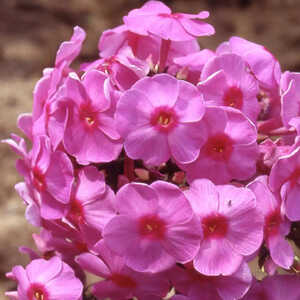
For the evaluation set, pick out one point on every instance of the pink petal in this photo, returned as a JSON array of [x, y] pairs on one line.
[[235, 286], [216, 257], [93, 264], [196, 27], [189, 105], [292, 204], [91, 184], [245, 232], [142, 143], [59, 177], [94, 85], [42, 271], [203, 196], [133, 111], [183, 240], [161, 89], [281, 252], [185, 142], [137, 199], [174, 207]]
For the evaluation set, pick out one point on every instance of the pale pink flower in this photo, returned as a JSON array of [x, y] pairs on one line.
[[155, 227], [159, 119], [232, 226], [229, 150], [226, 81], [156, 18]]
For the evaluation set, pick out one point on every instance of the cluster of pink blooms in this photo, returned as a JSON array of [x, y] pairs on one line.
[[161, 168]]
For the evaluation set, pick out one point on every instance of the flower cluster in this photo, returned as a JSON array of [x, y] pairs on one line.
[[161, 167]]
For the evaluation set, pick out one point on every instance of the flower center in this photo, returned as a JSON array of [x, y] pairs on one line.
[[123, 281], [88, 115], [76, 213], [39, 295], [233, 97], [37, 292], [272, 223], [218, 147], [214, 226], [38, 179], [152, 227], [164, 119]]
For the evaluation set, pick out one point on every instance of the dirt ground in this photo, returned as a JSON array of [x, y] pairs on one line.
[[30, 33]]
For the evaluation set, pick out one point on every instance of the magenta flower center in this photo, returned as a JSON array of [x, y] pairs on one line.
[[164, 119], [123, 281], [233, 97], [76, 213], [38, 179], [37, 292], [219, 147], [88, 115], [214, 226], [272, 223], [152, 227]]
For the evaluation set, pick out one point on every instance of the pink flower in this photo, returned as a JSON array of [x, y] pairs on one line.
[[90, 121], [49, 84], [232, 226], [198, 286], [49, 178], [120, 282], [143, 47], [47, 280], [155, 227], [160, 115], [277, 287], [276, 226], [92, 202], [123, 69], [225, 81], [156, 18], [284, 178], [191, 65], [229, 150], [262, 63]]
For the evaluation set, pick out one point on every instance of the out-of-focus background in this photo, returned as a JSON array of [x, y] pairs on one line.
[[31, 32]]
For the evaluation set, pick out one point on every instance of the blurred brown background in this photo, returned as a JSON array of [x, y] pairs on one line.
[[31, 31]]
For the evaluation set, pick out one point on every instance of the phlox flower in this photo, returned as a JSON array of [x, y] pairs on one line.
[[49, 84], [195, 285], [261, 61], [157, 18], [155, 227], [161, 115], [275, 287], [88, 121], [120, 282], [190, 66], [226, 81], [284, 178], [232, 226], [276, 226], [46, 280], [229, 150], [92, 202], [123, 69], [48, 176], [147, 48]]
